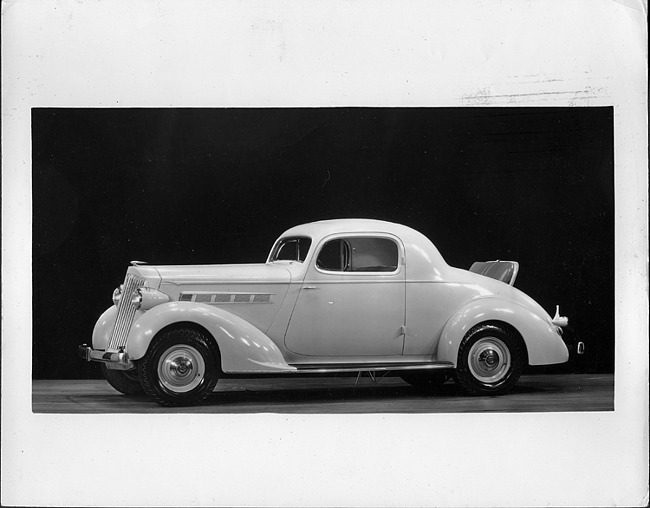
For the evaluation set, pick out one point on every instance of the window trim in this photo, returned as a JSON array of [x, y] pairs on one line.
[[276, 249], [339, 236]]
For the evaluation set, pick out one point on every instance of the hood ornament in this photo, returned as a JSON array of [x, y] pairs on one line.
[[138, 263]]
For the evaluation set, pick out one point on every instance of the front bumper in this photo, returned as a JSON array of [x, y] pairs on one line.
[[118, 361]]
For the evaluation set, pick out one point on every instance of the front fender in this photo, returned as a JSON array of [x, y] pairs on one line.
[[243, 347], [104, 328], [543, 343]]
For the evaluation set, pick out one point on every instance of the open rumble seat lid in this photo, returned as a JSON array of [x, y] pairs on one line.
[[505, 271]]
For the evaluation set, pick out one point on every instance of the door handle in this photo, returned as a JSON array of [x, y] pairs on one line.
[[310, 287]]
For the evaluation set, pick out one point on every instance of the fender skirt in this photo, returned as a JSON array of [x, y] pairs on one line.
[[243, 347]]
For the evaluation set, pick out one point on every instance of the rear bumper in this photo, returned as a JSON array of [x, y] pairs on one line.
[[119, 361], [577, 348]]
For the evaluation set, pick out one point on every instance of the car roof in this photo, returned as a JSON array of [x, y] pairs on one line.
[[422, 255], [331, 226]]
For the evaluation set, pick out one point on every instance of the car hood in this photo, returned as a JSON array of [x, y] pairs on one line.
[[226, 274]]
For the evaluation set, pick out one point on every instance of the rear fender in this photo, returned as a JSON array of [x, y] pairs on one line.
[[243, 347], [543, 344]]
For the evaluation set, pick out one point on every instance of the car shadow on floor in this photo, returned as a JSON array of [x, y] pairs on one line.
[[344, 394], [541, 393]]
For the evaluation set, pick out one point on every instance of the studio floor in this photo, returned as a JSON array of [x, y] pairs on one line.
[[332, 395]]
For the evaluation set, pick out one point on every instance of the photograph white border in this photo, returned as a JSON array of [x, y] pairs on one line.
[[122, 54]]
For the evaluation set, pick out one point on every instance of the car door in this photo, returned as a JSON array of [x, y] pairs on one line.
[[352, 300]]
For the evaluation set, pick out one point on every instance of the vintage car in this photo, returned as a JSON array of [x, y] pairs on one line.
[[348, 295]]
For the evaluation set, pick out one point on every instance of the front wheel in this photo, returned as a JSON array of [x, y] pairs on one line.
[[181, 368], [490, 361]]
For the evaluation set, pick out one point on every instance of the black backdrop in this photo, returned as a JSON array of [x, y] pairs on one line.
[[535, 185]]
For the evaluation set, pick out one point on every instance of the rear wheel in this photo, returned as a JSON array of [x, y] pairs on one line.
[[124, 381], [490, 361], [181, 368]]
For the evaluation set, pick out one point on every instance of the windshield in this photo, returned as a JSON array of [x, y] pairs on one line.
[[292, 248]]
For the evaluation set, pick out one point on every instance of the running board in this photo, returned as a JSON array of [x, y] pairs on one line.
[[316, 368]]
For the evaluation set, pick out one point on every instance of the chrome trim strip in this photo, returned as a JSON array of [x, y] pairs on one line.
[[353, 274], [361, 273], [515, 272], [242, 282], [225, 293], [233, 297], [302, 369]]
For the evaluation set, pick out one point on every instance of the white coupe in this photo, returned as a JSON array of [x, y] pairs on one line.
[[349, 295]]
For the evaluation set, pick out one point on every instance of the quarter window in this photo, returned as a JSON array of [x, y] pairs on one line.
[[359, 254], [292, 249]]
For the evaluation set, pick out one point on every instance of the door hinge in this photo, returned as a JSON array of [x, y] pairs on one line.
[[402, 330]]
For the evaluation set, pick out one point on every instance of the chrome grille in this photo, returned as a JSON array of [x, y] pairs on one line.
[[125, 313]]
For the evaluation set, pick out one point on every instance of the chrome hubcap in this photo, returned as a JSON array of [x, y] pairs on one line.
[[181, 369], [489, 360]]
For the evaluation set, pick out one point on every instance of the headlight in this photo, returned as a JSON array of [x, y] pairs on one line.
[[137, 299], [147, 298], [117, 294]]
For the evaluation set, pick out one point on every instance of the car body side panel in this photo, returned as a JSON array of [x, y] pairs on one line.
[[278, 329], [348, 313], [429, 305], [243, 347], [256, 303], [221, 274], [254, 292], [348, 318], [543, 343]]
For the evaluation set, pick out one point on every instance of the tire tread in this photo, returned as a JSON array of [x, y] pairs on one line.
[[150, 382], [464, 377]]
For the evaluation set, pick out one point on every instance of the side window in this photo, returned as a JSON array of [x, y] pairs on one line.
[[292, 249], [334, 256], [359, 254], [373, 255]]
